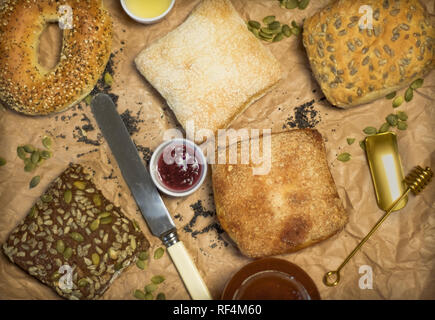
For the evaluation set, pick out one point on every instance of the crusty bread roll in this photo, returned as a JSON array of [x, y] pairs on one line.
[[292, 207], [355, 66], [210, 68], [25, 85]]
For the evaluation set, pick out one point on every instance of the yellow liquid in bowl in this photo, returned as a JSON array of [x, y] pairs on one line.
[[147, 8]]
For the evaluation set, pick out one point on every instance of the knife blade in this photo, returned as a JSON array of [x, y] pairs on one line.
[[145, 193]]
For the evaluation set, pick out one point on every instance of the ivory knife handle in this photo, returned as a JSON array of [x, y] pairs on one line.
[[189, 273]]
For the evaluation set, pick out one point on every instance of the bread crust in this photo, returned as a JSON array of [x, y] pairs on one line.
[[26, 86], [293, 207], [356, 66], [210, 68]]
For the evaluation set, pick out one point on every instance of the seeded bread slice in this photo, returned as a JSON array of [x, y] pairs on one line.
[[73, 229], [355, 66]]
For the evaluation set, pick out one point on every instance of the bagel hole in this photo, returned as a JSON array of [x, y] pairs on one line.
[[50, 46]]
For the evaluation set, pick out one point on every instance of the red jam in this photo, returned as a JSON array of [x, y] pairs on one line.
[[179, 167]]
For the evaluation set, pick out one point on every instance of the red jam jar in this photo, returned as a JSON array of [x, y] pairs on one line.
[[178, 167]]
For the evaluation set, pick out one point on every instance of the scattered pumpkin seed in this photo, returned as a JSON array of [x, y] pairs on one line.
[[370, 130], [291, 4], [55, 276], [150, 288], [157, 279], [45, 154], [139, 294], [82, 282], [107, 220], [60, 246], [392, 119], [350, 141], [35, 157], [33, 212], [278, 37], [417, 84], [161, 296], [397, 102], [67, 196], [29, 148], [384, 128], [409, 94], [67, 253], [81, 185], [149, 296], [159, 253], [402, 125], [268, 19], [254, 24], [96, 199], [95, 224], [95, 259], [402, 115], [391, 95], [362, 144], [286, 30], [21, 153], [303, 4], [29, 166], [140, 264], [296, 30], [47, 142], [47, 198], [274, 25], [104, 214], [144, 255], [76, 236], [2, 161], [108, 79], [344, 157]]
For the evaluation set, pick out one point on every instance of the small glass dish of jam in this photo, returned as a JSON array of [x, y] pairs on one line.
[[270, 279], [178, 167]]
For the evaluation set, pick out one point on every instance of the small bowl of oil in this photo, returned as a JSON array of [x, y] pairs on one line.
[[147, 11]]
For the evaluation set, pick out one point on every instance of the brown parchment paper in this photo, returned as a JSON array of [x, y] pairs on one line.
[[401, 253]]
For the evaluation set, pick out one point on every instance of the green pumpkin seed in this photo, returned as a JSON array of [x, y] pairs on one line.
[[139, 294], [2, 161], [344, 157], [268, 32], [286, 30], [159, 253], [47, 198], [34, 182], [46, 142], [291, 4], [157, 279], [296, 31], [55, 276], [82, 282], [88, 100], [96, 199], [113, 254], [350, 141], [362, 144], [384, 128], [60, 246], [144, 255], [161, 296], [370, 130], [29, 148], [108, 79], [303, 4], [274, 25], [254, 24], [95, 259], [29, 166], [392, 119], [35, 157], [107, 220], [149, 296], [140, 264], [21, 153], [391, 95], [67, 253], [150, 288], [81, 185], [417, 84], [255, 32], [95, 224], [397, 102], [67, 196], [402, 125], [278, 37], [268, 19], [409, 94], [265, 37], [402, 115], [45, 154], [33, 212], [76, 236], [104, 214]]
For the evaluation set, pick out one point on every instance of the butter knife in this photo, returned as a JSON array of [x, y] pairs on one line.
[[145, 193]]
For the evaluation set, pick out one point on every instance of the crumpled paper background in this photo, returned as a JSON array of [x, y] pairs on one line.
[[401, 253]]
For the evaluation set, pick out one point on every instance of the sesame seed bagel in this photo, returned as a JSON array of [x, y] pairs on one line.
[[28, 87]]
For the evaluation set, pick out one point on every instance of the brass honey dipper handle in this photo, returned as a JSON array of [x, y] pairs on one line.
[[416, 181]]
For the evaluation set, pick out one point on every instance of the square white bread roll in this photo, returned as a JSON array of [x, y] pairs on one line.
[[294, 206], [356, 65], [210, 68]]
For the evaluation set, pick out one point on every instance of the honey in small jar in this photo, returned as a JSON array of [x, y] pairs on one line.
[[147, 9]]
